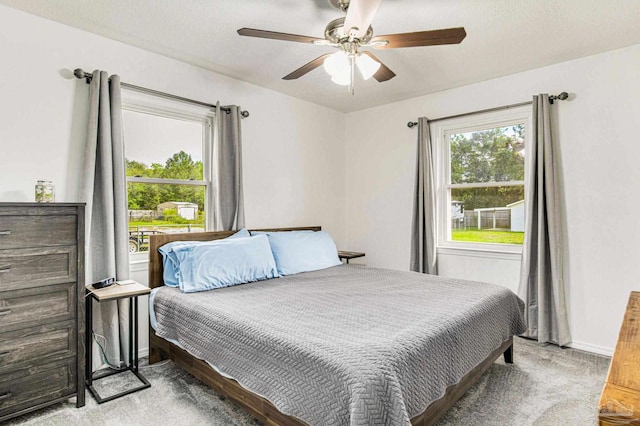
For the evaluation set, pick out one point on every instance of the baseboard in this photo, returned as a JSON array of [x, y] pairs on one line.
[[143, 352], [588, 347]]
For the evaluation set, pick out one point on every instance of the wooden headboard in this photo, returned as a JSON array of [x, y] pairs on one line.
[[155, 241]]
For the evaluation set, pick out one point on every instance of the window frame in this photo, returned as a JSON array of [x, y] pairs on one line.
[[442, 153], [144, 103]]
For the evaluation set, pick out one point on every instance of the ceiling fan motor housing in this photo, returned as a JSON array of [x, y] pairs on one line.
[[343, 5], [335, 33]]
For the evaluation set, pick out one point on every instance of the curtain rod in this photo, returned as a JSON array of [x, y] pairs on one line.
[[79, 73], [562, 96]]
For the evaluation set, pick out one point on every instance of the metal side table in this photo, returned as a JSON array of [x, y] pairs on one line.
[[115, 292], [348, 255]]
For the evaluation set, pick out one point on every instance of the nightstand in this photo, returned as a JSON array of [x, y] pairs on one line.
[[115, 292], [348, 255]]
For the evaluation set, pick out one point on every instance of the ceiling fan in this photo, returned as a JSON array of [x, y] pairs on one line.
[[351, 33]]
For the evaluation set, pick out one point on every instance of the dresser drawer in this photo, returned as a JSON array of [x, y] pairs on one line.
[[20, 348], [24, 268], [37, 231], [37, 306], [35, 385]]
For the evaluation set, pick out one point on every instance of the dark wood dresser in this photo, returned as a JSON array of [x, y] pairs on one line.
[[42, 304]]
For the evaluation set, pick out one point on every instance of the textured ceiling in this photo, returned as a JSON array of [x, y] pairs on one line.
[[503, 37]]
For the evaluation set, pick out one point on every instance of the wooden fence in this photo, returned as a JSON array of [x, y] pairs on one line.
[[492, 219]]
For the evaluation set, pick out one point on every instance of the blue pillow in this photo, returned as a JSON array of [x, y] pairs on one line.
[[243, 233], [170, 263], [254, 233], [224, 263], [296, 252]]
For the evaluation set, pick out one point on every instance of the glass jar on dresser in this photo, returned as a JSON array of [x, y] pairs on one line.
[[41, 306]]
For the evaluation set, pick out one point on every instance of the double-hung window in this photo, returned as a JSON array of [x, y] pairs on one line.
[[167, 151], [481, 163]]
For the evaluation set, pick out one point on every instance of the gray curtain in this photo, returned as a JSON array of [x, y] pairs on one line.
[[541, 278], [104, 190], [229, 199], [423, 229]]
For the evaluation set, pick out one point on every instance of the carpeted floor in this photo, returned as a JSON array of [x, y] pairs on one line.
[[545, 386]]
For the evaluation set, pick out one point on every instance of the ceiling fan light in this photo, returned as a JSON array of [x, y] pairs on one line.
[[367, 66], [337, 63], [342, 78]]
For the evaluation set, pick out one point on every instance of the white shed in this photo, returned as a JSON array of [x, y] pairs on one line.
[[517, 216], [184, 209], [457, 209]]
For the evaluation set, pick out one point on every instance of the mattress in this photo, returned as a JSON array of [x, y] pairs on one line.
[[344, 345]]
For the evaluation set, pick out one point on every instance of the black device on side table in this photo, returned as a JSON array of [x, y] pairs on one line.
[[348, 255], [103, 283], [115, 292]]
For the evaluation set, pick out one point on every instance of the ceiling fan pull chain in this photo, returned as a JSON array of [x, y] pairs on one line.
[[352, 62]]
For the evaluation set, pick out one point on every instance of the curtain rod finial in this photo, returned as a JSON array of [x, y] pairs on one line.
[[562, 96], [244, 114], [412, 124], [79, 73]]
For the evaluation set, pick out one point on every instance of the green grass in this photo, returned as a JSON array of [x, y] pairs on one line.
[[140, 231], [163, 223], [487, 236]]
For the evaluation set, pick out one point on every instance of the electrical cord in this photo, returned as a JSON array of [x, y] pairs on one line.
[[103, 354]]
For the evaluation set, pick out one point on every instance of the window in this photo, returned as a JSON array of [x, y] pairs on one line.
[[167, 168], [481, 163]]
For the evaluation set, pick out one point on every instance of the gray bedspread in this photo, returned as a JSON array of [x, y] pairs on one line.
[[345, 345]]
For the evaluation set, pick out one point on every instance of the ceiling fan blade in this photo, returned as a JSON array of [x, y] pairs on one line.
[[359, 16], [422, 38], [383, 73], [307, 67], [250, 32]]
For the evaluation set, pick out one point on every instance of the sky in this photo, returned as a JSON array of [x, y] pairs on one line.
[[152, 139]]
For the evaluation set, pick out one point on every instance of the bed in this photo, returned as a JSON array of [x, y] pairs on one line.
[[344, 345]]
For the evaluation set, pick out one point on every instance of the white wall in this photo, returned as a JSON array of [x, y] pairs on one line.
[[293, 150], [599, 147]]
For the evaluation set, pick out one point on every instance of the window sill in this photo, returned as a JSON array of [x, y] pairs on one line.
[[138, 262], [476, 252]]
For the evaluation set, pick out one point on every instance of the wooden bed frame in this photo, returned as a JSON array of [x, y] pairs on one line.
[[260, 408]]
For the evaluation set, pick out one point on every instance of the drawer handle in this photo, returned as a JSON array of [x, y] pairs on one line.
[[5, 268], [5, 311], [7, 232], [6, 395]]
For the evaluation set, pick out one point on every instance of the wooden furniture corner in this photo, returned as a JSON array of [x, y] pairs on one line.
[[620, 398]]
